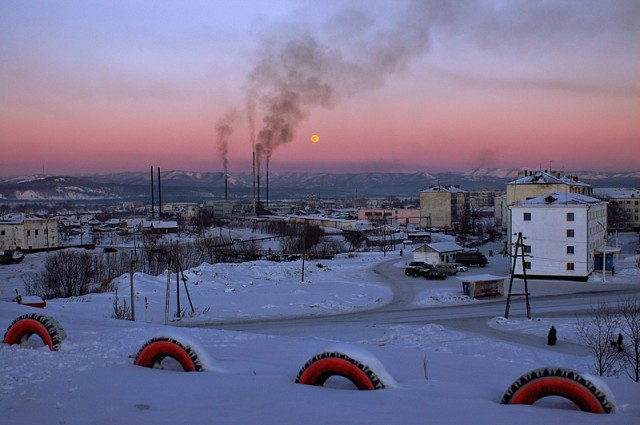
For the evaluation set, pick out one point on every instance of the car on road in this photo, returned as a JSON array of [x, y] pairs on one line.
[[433, 274]]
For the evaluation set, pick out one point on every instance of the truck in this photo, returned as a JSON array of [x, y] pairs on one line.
[[470, 258]]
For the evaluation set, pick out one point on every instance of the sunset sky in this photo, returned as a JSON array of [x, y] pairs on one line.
[[107, 86]]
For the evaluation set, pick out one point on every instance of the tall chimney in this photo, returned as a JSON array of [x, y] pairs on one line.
[[258, 197], [225, 186], [159, 195], [152, 199], [254, 181], [267, 199]]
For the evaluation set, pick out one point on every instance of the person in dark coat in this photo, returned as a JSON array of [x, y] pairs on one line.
[[619, 342], [552, 336]]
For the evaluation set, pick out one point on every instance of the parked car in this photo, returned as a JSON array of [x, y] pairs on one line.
[[432, 274], [460, 267], [448, 269], [470, 258], [415, 267]]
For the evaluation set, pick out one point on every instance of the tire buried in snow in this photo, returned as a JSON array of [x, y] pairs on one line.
[[154, 351], [561, 382], [325, 365], [46, 327]]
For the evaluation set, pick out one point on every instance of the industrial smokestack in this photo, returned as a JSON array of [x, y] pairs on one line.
[[258, 183], [267, 198], [152, 199], [225, 186], [159, 195], [254, 180]]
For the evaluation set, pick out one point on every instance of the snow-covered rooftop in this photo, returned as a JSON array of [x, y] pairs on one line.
[[541, 177], [616, 193], [558, 199], [444, 188]]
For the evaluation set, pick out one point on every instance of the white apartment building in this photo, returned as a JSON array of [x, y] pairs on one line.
[[18, 232], [563, 233]]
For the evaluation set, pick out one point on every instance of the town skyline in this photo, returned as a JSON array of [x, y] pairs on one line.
[[387, 86]]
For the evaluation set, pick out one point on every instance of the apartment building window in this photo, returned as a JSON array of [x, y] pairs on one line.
[[2, 232], [527, 265], [570, 266], [526, 249], [570, 216], [571, 233], [36, 232], [28, 232], [571, 250], [527, 216]]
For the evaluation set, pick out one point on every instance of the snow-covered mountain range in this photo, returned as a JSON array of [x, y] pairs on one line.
[[195, 186]]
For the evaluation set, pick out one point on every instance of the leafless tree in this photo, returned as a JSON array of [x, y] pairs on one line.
[[629, 313], [67, 273], [597, 332]]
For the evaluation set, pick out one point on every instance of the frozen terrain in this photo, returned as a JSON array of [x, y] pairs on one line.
[[446, 359]]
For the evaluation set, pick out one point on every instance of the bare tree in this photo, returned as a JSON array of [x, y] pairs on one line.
[[66, 274], [629, 311], [597, 332]]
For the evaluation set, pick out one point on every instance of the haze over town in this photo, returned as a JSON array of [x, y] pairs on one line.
[[387, 85]]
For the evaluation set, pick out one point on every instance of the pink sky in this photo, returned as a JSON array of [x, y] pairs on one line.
[[118, 86]]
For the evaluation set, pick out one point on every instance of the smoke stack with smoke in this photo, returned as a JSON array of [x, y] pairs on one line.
[[297, 70]]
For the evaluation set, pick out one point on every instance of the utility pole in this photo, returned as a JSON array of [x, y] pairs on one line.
[[133, 305], [519, 247]]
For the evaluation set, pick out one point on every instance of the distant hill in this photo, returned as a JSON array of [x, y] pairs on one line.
[[193, 186]]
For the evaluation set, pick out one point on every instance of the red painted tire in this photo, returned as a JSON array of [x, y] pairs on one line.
[[325, 365], [561, 382], [157, 349], [47, 328]]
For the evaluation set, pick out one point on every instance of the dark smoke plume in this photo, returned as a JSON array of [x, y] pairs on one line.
[[298, 70], [224, 129]]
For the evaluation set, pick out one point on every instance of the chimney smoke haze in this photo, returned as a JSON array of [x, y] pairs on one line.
[[298, 68], [224, 130]]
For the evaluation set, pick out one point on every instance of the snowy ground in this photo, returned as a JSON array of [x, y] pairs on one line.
[[434, 374]]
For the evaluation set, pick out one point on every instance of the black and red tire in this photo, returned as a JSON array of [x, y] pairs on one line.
[[154, 351], [560, 382], [325, 365], [46, 327]]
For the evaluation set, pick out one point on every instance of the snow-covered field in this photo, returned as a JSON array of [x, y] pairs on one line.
[[433, 374]]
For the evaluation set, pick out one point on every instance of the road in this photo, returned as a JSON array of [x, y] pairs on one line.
[[550, 299]]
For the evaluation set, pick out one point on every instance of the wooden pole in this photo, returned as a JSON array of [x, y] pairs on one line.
[[133, 293], [168, 296]]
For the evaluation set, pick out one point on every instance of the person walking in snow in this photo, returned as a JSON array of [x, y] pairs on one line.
[[552, 336]]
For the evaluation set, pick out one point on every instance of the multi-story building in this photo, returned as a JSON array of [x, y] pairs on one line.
[[19, 232], [563, 233], [623, 212], [394, 216], [531, 184], [443, 207]]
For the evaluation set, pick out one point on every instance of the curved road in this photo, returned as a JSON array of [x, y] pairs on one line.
[[548, 300]]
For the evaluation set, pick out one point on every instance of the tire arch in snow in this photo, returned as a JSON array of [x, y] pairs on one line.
[[46, 327], [322, 366], [157, 349], [561, 382]]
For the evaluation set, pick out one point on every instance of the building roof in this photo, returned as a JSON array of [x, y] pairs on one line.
[[616, 193], [543, 177], [559, 199], [444, 188], [480, 278], [441, 247]]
